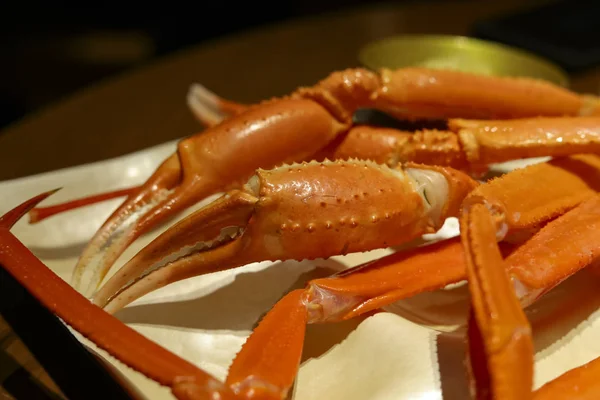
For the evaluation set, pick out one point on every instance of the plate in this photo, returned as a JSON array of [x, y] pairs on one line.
[[413, 349], [460, 53]]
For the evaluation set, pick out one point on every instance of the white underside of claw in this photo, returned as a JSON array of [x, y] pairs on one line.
[[204, 104], [433, 187], [525, 294], [226, 235], [89, 276]]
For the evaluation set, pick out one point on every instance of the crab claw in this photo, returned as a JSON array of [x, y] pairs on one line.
[[211, 237], [126, 223], [294, 212], [219, 159]]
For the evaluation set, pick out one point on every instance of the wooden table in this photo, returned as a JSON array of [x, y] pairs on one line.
[[146, 107]]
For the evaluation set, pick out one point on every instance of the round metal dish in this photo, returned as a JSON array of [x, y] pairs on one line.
[[459, 53]]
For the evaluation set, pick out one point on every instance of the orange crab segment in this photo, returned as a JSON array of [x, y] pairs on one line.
[[92, 322], [556, 187], [207, 164], [266, 366], [415, 93], [119, 230], [393, 147], [488, 142], [580, 383], [301, 211], [505, 336], [570, 242], [268, 363], [499, 331], [425, 93], [365, 143], [374, 285]]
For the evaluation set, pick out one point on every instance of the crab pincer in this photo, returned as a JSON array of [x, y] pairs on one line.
[[298, 211]]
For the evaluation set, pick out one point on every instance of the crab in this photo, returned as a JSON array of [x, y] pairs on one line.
[[508, 118], [329, 187], [512, 250]]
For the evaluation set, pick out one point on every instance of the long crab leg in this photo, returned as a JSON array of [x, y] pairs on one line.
[[300, 211], [504, 369], [266, 366], [481, 142], [501, 350], [472, 145], [107, 332], [500, 347], [438, 94], [487, 142]]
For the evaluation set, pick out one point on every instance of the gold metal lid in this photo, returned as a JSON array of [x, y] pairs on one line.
[[459, 53]]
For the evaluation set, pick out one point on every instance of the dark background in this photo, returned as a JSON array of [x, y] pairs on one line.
[[51, 49]]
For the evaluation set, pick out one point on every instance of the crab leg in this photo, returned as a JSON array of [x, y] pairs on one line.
[[373, 285], [300, 211], [487, 142], [92, 322], [439, 94], [580, 383], [267, 365], [500, 344], [268, 362]]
